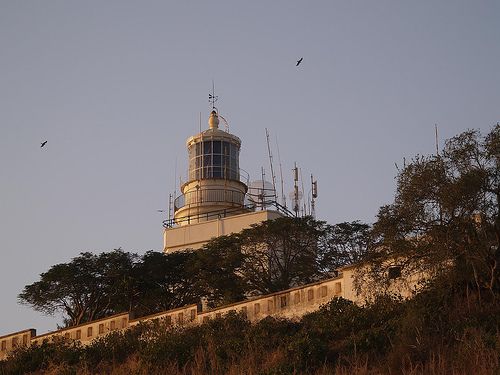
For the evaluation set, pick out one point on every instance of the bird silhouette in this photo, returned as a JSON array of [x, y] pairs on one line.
[[43, 143], [299, 61]]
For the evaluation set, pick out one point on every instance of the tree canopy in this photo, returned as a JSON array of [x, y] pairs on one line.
[[445, 218], [268, 257], [89, 287]]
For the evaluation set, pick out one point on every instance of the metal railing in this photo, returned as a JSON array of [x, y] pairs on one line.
[[222, 213], [243, 176], [196, 197]]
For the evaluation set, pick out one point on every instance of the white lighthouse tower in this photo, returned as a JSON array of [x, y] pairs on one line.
[[216, 186], [213, 200]]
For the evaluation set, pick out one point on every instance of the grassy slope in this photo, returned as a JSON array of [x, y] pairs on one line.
[[435, 333]]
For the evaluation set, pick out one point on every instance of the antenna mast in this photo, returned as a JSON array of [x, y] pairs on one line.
[[303, 193], [170, 207], [296, 190], [314, 195], [283, 198], [271, 163], [171, 198], [262, 195], [437, 142]]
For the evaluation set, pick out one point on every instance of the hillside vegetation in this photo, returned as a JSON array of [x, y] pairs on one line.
[[440, 331], [444, 223]]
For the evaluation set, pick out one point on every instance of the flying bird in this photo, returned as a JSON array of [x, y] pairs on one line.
[[43, 143], [299, 61]]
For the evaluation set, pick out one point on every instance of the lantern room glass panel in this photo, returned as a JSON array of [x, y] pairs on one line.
[[213, 159]]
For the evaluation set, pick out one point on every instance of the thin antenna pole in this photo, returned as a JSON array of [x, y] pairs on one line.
[[200, 121], [262, 195], [171, 199], [313, 196], [437, 142], [169, 207], [303, 192], [296, 190], [271, 163], [175, 177], [283, 198]]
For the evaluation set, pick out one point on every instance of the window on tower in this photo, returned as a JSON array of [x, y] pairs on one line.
[[217, 149], [213, 159]]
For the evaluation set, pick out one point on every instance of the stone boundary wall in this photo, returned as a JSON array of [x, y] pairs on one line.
[[86, 332], [179, 316], [292, 303], [14, 340]]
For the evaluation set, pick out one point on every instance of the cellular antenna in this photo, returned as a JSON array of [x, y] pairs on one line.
[[314, 195], [271, 163], [212, 98]]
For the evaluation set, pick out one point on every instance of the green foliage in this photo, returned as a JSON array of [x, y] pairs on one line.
[[388, 335], [164, 282], [445, 219], [271, 256], [346, 243], [42, 357], [216, 267], [277, 254], [87, 288], [280, 253]]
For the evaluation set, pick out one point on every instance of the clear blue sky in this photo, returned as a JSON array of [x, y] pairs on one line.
[[116, 87]]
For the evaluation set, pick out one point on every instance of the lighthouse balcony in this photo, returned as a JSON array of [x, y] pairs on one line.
[[209, 196]]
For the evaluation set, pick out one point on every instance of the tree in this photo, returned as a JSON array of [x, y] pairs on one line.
[[89, 287], [281, 253], [166, 281], [445, 219], [276, 255], [217, 268], [347, 244]]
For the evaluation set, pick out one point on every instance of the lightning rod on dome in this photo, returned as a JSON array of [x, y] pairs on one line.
[[212, 98]]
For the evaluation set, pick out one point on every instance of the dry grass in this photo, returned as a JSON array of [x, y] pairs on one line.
[[467, 360]]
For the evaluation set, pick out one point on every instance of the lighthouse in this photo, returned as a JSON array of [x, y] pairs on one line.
[[216, 186], [214, 199]]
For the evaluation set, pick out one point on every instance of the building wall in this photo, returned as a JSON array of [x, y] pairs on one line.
[[86, 332], [194, 236], [292, 304], [13, 340], [404, 285], [180, 316]]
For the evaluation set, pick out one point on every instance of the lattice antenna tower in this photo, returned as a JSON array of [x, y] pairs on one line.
[[314, 195]]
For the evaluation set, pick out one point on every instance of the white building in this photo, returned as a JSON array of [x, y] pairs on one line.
[[214, 199]]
